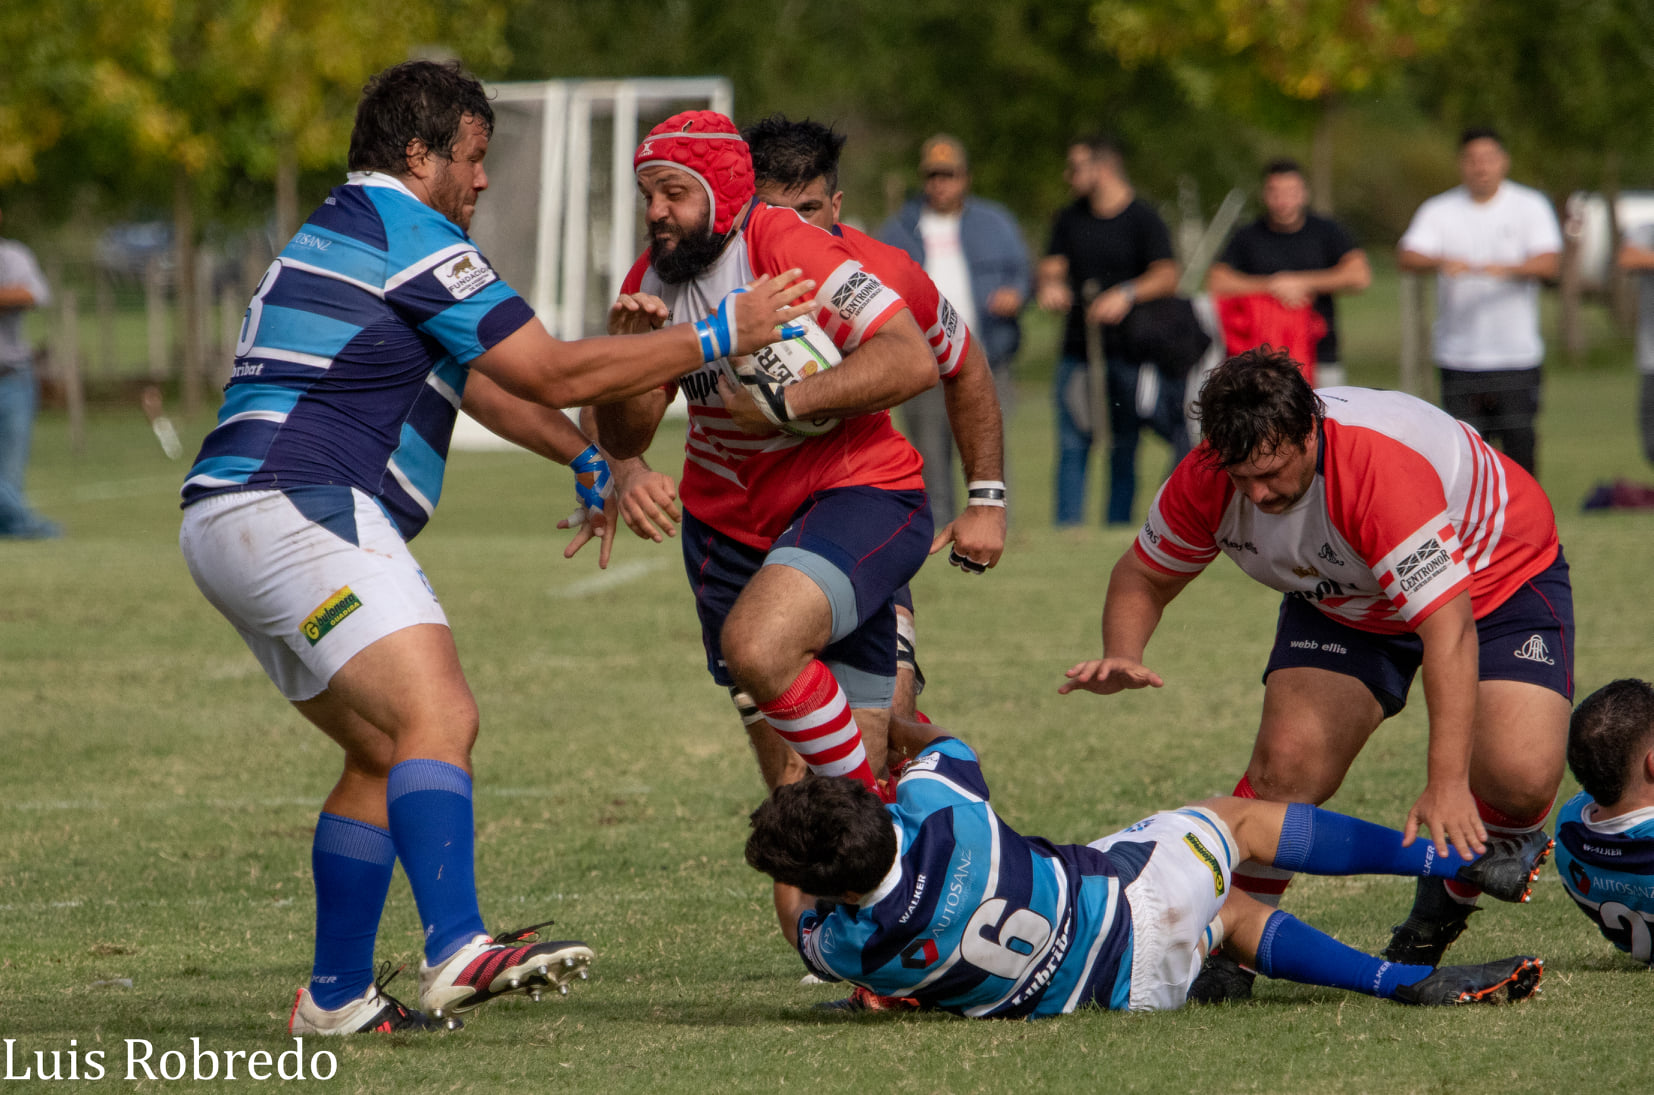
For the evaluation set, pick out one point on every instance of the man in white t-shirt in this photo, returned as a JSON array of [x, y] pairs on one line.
[[973, 250], [1636, 256], [1490, 242]]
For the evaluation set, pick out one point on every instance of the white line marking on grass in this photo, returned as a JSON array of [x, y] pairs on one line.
[[605, 580], [303, 801]]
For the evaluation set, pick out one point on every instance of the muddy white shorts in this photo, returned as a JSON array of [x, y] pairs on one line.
[[1174, 901], [303, 596]]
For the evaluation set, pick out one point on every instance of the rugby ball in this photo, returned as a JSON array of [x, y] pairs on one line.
[[786, 363]]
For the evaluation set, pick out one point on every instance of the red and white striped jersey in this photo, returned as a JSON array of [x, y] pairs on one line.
[[1409, 508], [944, 327], [748, 487]]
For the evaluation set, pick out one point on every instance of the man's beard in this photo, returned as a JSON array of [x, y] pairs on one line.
[[695, 252]]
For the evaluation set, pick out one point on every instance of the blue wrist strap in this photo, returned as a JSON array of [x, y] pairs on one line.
[[717, 331], [592, 480]]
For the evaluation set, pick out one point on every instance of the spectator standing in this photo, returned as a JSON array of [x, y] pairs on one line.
[[973, 250], [1296, 257], [1489, 242], [1636, 255], [1107, 237], [21, 287]]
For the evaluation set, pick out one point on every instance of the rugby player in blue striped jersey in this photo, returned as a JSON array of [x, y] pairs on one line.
[[375, 325], [936, 900]]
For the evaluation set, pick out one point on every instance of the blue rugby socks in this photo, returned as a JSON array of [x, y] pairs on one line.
[[1322, 842], [351, 861], [1294, 951], [431, 823]]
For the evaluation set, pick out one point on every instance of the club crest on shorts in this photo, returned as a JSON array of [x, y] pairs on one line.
[[1207, 858], [1535, 650], [328, 614]]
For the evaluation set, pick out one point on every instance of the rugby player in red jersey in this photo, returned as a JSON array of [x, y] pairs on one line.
[[1401, 540], [794, 546]]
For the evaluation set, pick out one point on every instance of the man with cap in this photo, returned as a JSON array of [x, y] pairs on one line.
[[794, 546], [974, 252]]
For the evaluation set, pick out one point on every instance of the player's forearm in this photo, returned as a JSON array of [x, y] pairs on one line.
[[1137, 598], [1451, 670], [542, 430], [625, 429], [891, 367], [973, 416], [532, 365], [909, 736], [1546, 267]]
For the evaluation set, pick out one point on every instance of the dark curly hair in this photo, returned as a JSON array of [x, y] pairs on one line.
[[1609, 734], [827, 835], [416, 100], [790, 154], [1256, 401]]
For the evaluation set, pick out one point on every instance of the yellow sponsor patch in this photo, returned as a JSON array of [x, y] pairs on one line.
[[1207, 858], [330, 612]]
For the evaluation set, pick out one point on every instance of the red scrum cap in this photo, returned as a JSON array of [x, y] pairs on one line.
[[707, 145]]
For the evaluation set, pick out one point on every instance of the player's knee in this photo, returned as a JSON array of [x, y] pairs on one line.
[[760, 664], [1279, 775]]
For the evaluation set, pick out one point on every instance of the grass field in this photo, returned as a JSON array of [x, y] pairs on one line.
[[158, 800]]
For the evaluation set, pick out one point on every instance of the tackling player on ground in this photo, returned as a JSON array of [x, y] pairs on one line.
[[1605, 834], [1400, 539], [934, 898], [794, 546], [375, 325]]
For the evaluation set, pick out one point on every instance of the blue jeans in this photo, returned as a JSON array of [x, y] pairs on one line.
[[17, 404], [1165, 417]]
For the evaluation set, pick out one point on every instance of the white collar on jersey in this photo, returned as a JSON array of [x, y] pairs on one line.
[[377, 178], [892, 878], [1619, 823]]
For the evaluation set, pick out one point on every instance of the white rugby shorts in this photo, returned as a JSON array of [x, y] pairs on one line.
[[1178, 894], [304, 599]]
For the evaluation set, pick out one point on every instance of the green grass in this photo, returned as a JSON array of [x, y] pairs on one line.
[[159, 799]]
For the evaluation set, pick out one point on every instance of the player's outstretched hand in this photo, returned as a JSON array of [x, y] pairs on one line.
[[766, 305], [648, 502], [977, 536], [635, 313], [590, 522], [1449, 812], [1106, 676]]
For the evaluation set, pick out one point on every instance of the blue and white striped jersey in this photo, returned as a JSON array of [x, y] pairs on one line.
[[353, 358], [1608, 869], [976, 919]]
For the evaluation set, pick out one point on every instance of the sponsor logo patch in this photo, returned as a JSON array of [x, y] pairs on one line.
[[1207, 858], [1581, 879], [328, 615], [1329, 555], [1535, 650], [919, 955], [464, 274], [1306, 572], [1421, 566], [926, 763]]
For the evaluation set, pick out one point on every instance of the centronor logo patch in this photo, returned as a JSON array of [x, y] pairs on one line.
[[1207, 858], [328, 615], [464, 274]]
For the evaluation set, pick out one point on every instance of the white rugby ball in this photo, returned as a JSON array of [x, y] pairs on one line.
[[787, 362]]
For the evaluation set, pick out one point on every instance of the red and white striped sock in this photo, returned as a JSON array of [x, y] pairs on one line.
[[1259, 880], [1497, 823], [813, 717]]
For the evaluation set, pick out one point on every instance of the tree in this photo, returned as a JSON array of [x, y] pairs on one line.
[[1277, 63]]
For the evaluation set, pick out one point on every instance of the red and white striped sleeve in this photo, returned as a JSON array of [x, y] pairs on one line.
[[1388, 502], [852, 301], [1180, 534]]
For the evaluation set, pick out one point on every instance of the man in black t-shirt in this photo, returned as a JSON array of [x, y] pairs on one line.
[[1296, 257], [1120, 246]]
